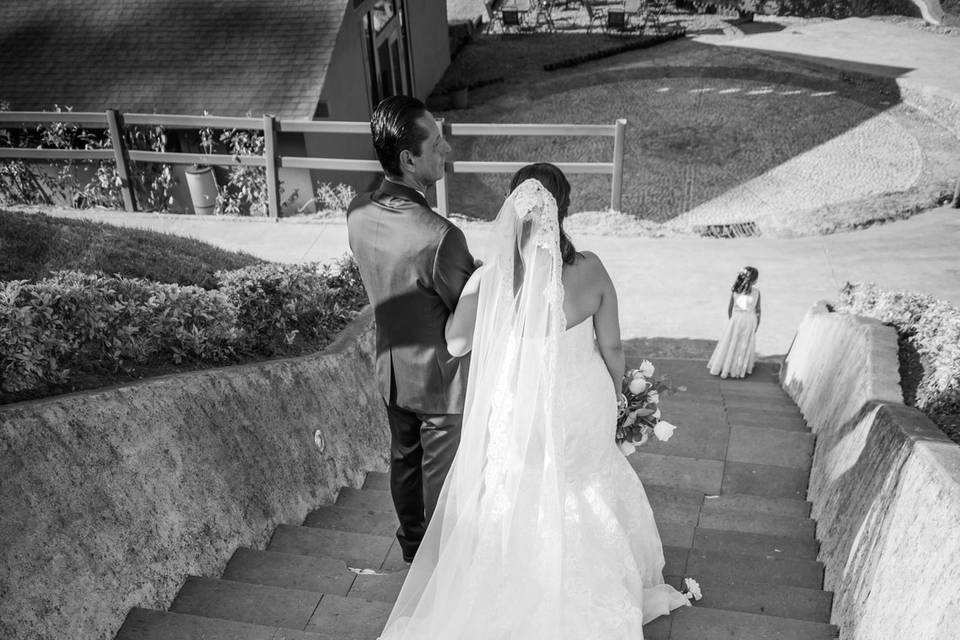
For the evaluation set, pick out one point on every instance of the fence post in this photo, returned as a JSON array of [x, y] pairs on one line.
[[270, 153], [442, 197], [616, 191], [114, 122]]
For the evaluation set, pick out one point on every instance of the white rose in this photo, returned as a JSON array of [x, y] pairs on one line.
[[654, 397], [646, 368], [638, 385], [626, 448], [663, 430], [693, 588]]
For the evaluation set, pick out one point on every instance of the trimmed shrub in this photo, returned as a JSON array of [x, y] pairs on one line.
[[932, 328], [75, 329], [75, 323]]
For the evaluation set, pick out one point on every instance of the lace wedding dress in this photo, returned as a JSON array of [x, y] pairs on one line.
[[542, 530]]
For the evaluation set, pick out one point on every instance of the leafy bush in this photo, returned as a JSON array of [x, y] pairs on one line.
[[331, 199], [75, 183], [932, 328], [75, 323], [71, 327]]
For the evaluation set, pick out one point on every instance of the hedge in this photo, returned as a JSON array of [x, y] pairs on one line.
[[932, 328], [73, 325]]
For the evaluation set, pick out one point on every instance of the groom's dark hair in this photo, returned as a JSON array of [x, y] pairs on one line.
[[394, 128]]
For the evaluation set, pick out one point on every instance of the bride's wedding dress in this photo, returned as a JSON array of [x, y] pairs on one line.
[[543, 530]]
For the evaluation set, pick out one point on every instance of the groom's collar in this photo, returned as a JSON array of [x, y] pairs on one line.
[[399, 190]]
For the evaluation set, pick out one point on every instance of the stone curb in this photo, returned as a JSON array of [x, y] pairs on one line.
[[885, 483], [110, 497]]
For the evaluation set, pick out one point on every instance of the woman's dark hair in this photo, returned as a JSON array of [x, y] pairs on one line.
[[552, 178], [746, 278], [394, 128]]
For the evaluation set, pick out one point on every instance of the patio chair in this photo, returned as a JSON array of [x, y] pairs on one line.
[[594, 14], [512, 19], [616, 21], [652, 15]]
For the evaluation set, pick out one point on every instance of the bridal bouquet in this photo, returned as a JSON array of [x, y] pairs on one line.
[[639, 415]]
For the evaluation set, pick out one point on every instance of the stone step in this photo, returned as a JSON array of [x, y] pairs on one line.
[[735, 417], [373, 522], [767, 569], [755, 544], [358, 550], [305, 573], [329, 616], [759, 385], [758, 445], [245, 602], [756, 504], [370, 499], [756, 522], [380, 500], [149, 624], [777, 600], [768, 404], [377, 480], [764, 480], [695, 474], [705, 623]]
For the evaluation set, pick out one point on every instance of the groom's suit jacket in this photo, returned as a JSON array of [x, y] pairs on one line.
[[414, 264]]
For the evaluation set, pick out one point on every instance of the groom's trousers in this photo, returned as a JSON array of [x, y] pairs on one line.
[[422, 449]]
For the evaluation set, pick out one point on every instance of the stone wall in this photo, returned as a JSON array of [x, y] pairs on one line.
[[109, 498], [885, 484]]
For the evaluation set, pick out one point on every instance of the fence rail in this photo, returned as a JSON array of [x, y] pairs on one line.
[[114, 121]]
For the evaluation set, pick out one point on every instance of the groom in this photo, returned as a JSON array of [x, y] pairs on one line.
[[413, 263]]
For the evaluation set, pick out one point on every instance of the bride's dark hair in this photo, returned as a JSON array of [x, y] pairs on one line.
[[746, 278], [552, 178]]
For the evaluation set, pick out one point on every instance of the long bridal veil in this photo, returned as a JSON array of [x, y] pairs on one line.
[[490, 563]]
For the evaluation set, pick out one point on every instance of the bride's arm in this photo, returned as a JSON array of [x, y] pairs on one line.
[[460, 324], [606, 324]]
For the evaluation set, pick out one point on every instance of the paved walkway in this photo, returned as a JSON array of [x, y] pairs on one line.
[[673, 288], [911, 57], [727, 492]]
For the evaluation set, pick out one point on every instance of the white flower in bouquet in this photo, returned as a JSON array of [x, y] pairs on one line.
[[656, 414], [627, 447], [638, 385], [646, 369], [663, 430], [654, 397], [692, 589]]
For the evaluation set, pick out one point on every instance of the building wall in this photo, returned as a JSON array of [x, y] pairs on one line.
[[429, 43], [346, 92]]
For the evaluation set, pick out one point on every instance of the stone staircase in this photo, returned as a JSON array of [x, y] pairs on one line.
[[727, 491]]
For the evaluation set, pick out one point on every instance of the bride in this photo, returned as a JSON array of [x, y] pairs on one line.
[[542, 529]]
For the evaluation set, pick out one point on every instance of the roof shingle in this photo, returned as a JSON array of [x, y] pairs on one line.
[[228, 57]]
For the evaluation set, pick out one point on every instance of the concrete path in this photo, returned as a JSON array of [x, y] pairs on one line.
[[669, 287], [727, 492], [913, 58]]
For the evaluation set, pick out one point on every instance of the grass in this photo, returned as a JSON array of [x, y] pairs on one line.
[[715, 135], [32, 246]]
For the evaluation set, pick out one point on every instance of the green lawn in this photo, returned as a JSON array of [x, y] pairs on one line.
[[32, 246]]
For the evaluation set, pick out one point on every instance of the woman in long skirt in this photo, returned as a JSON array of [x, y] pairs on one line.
[[735, 354]]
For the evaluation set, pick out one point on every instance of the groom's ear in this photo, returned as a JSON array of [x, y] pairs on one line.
[[406, 161]]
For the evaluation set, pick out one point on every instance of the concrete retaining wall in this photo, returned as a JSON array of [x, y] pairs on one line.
[[885, 484], [108, 499]]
